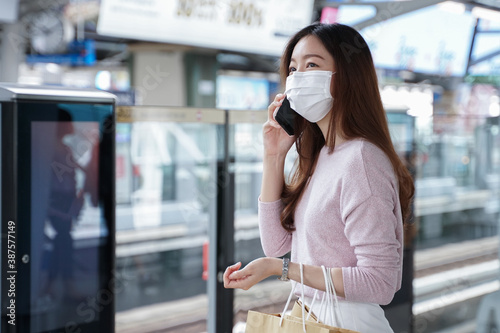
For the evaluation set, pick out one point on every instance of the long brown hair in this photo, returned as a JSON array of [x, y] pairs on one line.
[[357, 113]]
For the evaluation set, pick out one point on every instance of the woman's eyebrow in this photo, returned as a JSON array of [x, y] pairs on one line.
[[311, 55]]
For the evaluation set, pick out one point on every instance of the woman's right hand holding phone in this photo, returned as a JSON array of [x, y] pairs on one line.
[[276, 141]]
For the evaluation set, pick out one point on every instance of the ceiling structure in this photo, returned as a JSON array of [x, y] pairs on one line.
[[115, 48], [494, 4], [386, 10]]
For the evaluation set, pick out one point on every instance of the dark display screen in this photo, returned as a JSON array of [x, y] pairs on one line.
[[67, 156]]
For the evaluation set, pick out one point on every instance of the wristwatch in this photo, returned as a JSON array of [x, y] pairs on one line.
[[284, 271]]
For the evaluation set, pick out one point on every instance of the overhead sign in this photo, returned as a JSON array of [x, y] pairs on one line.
[[80, 53], [253, 26]]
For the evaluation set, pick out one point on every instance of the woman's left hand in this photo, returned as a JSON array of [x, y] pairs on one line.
[[251, 274]]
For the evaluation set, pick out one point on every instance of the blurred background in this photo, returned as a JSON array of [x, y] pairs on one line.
[[193, 79]]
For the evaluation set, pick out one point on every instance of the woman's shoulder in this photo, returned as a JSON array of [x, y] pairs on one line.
[[362, 149], [367, 167], [360, 156]]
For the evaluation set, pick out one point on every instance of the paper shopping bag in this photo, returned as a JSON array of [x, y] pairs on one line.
[[258, 322], [312, 324], [297, 311], [296, 314]]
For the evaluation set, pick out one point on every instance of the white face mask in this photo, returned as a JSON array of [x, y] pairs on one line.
[[309, 94]]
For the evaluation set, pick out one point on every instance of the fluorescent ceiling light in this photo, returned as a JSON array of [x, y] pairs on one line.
[[452, 7], [487, 14]]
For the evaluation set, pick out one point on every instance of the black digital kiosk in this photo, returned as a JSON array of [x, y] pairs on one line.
[[57, 209]]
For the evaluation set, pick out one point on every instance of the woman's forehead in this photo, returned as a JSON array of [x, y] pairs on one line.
[[309, 45]]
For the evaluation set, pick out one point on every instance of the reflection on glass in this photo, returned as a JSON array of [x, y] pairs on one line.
[[458, 214], [166, 189], [457, 177], [65, 169], [165, 173]]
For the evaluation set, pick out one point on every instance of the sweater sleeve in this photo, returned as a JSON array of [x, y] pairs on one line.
[[375, 232], [275, 240]]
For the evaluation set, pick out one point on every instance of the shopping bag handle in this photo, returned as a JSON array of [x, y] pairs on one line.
[[336, 313], [290, 297], [330, 295]]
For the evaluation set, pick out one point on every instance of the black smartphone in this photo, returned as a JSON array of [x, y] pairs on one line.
[[286, 117]]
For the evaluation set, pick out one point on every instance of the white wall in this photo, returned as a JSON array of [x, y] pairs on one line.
[[158, 77], [12, 43]]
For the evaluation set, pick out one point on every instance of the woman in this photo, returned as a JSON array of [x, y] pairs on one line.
[[349, 194]]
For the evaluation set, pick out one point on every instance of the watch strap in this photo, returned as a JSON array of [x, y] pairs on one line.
[[284, 271]]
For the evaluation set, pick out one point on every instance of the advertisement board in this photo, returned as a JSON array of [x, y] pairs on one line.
[[253, 26]]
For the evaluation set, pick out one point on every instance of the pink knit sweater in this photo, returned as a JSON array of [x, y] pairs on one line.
[[349, 216]]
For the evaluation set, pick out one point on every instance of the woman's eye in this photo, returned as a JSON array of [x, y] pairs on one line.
[[309, 65], [291, 70]]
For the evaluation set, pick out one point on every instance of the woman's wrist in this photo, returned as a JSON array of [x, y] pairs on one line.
[[272, 178], [273, 266], [274, 159]]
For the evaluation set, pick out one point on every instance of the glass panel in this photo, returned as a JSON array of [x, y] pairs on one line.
[[165, 178], [247, 148], [457, 212]]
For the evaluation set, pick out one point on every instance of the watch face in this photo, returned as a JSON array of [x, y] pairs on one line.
[[47, 33]]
